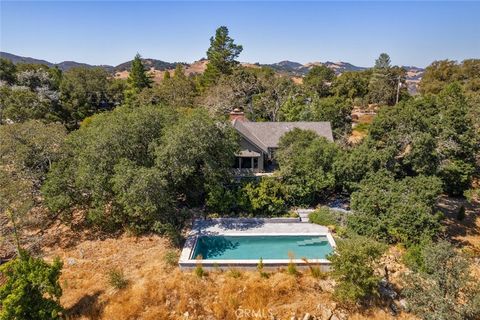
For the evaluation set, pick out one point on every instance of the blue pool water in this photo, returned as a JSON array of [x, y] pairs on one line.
[[265, 247]]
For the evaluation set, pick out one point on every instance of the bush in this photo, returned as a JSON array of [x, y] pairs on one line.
[[266, 197], [444, 287], [292, 268], [315, 271], [199, 271], [234, 273], [413, 257], [353, 266], [323, 216], [171, 258], [30, 289], [456, 176], [260, 266], [116, 279]]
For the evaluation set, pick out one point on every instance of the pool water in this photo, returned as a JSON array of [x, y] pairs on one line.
[[265, 247]]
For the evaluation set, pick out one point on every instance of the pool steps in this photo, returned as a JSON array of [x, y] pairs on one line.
[[311, 241]]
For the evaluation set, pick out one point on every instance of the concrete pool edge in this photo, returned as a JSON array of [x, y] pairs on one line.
[[187, 262]]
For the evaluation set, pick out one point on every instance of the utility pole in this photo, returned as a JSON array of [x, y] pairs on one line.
[[398, 89]]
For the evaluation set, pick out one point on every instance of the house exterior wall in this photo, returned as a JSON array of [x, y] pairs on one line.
[[245, 145]]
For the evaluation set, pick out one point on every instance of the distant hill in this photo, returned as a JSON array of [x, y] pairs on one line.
[[64, 65], [298, 69], [18, 59], [288, 67], [291, 68], [149, 63]]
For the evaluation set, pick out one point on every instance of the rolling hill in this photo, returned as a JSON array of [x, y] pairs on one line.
[[158, 67]]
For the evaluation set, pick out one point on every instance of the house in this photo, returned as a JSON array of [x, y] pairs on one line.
[[259, 140]]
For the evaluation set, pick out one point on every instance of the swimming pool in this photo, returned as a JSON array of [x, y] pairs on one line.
[[225, 247], [242, 242]]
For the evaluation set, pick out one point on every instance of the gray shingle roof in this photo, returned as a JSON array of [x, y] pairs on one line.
[[267, 134]]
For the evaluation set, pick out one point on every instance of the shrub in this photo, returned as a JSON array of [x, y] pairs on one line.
[[292, 268], [315, 271], [323, 216], [413, 257], [30, 289], [456, 176], [266, 197], [116, 279], [260, 266], [234, 273], [171, 258], [199, 272], [444, 288], [353, 267]]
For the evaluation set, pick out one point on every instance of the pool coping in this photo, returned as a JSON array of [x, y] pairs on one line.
[[187, 262]]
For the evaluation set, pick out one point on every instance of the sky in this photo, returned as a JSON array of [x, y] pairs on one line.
[[112, 32]]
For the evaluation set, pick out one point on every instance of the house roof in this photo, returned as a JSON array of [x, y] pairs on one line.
[[267, 134]]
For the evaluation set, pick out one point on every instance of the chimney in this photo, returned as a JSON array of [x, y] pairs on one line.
[[237, 114]]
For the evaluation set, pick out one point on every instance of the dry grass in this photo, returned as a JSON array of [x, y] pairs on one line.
[[359, 133], [156, 291]]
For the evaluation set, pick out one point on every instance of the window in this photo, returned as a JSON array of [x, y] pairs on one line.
[[255, 163]]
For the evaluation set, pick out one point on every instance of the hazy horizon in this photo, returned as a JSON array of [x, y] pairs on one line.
[[110, 33]]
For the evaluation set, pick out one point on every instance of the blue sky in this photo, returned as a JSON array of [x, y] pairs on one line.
[[111, 32]]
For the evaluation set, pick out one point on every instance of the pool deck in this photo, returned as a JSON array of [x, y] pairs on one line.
[[251, 227]]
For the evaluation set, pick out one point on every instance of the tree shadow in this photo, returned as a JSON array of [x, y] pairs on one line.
[[457, 229], [88, 306]]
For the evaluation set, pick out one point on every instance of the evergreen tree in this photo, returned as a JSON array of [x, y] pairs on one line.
[[221, 56], [138, 78], [383, 61], [387, 83], [179, 72]]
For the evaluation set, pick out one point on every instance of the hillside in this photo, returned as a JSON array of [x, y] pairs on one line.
[[158, 67], [64, 65]]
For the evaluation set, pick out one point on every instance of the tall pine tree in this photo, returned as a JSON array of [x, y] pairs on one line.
[[221, 56], [138, 78]]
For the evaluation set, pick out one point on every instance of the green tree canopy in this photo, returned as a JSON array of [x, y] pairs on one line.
[[318, 80], [31, 289], [440, 74], [84, 92], [137, 167], [7, 71], [305, 161], [352, 85], [396, 210]]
